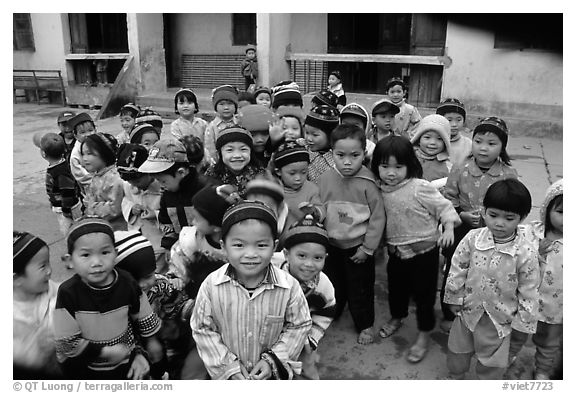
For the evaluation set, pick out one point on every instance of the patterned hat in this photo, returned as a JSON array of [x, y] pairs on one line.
[[79, 118], [395, 81], [266, 187], [495, 125], [255, 117], [130, 108], [135, 253], [233, 134], [384, 105], [164, 154], [24, 247], [286, 93], [130, 157], [323, 117], [307, 230], [246, 210], [290, 152], [137, 132], [225, 92], [451, 105], [148, 115], [325, 97], [85, 226], [64, 116]]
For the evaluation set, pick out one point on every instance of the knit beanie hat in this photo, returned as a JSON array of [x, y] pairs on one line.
[[233, 134], [51, 144], [245, 210], [290, 152], [451, 105], [105, 145], [139, 130], [266, 187], [436, 123], [286, 93], [357, 110], [384, 105], [225, 92], [64, 116], [130, 157], [291, 111], [323, 117], [495, 125], [135, 253], [255, 117], [130, 108], [325, 97], [262, 89], [24, 247], [212, 202], [78, 119], [147, 115], [307, 230], [190, 96], [85, 226], [555, 189], [395, 81]]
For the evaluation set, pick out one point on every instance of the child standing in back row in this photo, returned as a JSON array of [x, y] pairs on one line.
[[225, 100], [186, 107], [406, 120], [383, 113], [249, 67], [335, 87], [460, 137], [413, 209]]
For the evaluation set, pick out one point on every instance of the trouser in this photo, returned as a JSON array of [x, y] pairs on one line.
[[413, 278], [247, 82], [548, 342], [459, 233], [353, 284]]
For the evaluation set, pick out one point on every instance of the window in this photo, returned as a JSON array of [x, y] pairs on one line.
[[519, 31], [243, 29], [23, 37], [94, 33]]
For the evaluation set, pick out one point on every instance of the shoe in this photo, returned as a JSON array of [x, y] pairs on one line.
[[389, 329], [416, 354]]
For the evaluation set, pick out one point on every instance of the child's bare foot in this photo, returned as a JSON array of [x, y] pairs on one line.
[[418, 351], [366, 336], [390, 327]]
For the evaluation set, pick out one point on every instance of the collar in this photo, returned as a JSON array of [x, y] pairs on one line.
[[228, 274], [442, 156], [336, 88], [363, 173], [115, 272], [386, 188], [60, 161], [105, 170], [494, 171], [311, 284], [485, 241], [219, 120]]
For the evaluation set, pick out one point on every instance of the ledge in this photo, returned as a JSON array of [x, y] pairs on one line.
[[94, 56], [399, 59]]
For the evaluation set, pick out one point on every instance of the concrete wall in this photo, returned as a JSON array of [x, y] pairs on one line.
[[146, 43], [49, 41], [309, 33], [514, 84]]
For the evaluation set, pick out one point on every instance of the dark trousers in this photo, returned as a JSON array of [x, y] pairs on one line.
[[413, 278], [353, 284], [459, 233], [247, 82]]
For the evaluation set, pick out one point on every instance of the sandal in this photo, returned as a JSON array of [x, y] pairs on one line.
[[416, 354], [389, 329]]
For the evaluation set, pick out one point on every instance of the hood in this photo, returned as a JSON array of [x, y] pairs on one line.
[[557, 188], [433, 123]]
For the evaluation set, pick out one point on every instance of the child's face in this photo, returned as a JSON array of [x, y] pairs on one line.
[[249, 245], [225, 109], [294, 175], [456, 121], [392, 172], [93, 259], [501, 223], [306, 260], [259, 139], [91, 160], [235, 155], [250, 54], [82, 130], [332, 80], [486, 148], [316, 139], [142, 182], [291, 129], [431, 143], [263, 99], [147, 282], [149, 139], [36, 276], [202, 225], [396, 93], [384, 121], [353, 120], [348, 156], [169, 182], [556, 218], [66, 130], [185, 108], [127, 122]]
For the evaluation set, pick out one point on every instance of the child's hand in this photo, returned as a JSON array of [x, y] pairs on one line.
[[359, 257], [154, 349], [177, 283], [447, 238], [455, 308], [139, 368], [115, 353], [471, 218], [137, 209], [276, 130], [243, 374], [261, 370], [545, 246]]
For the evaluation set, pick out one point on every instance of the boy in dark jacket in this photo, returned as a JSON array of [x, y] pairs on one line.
[[249, 67]]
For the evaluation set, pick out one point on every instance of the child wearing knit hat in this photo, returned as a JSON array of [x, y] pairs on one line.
[[127, 115], [101, 314], [144, 134], [431, 142], [318, 126], [324, 97], [286, 93], [263, 96], [408, 116], [235, 165], [232, 343], [105, 193], [305, 250], [460, 136], [33, 303], [225, 101], [186, 107]]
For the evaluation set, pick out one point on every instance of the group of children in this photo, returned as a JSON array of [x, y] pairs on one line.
[[226, 249]]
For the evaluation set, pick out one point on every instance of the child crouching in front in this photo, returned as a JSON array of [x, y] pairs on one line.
[[305, 251], [33, 302], [101, 313], [266, 342], [413, 209], [492, 285]]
